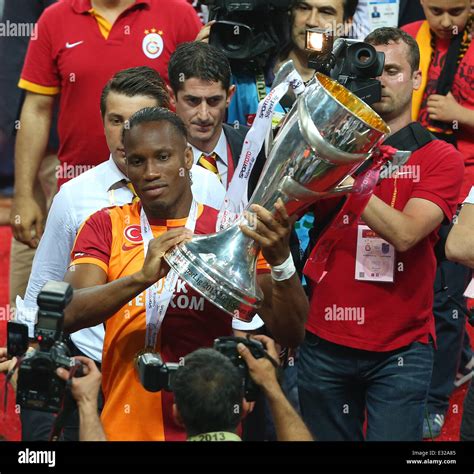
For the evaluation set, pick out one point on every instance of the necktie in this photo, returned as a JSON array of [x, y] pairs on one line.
[[130, 186], [210, 163]]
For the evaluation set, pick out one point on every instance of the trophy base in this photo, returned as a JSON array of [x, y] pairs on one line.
[[211, 284]]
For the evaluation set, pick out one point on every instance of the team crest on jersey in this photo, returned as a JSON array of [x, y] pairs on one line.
[[133, 234], [152, 44]]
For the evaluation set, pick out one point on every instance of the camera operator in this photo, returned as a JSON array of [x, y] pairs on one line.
[[208, 395], [369, 341], [331, 15], [85, 391], [288, 424], [251, 39]]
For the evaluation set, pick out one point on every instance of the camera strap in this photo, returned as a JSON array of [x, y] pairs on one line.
[[157, 303], [235, 199], [8, 377]]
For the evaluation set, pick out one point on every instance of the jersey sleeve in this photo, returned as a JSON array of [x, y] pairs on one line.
[[40, 74], [441, 177], [94, 241], [262, 265]]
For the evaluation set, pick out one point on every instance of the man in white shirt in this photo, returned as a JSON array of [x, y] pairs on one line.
[[105, 185]]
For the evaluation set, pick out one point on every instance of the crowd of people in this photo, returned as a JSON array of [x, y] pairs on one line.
[[126, 124]]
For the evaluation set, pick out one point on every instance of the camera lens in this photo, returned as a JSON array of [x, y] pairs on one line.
[[364, 60]]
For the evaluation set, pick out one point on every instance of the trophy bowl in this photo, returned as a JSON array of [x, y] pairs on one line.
[[325, 137]]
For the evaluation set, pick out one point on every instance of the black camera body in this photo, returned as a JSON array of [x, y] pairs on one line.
[[38, 386], [249, 32], [228, 347], [154, 374], [354, 64]]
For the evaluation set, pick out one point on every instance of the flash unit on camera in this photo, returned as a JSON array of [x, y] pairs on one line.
[[319, 41]]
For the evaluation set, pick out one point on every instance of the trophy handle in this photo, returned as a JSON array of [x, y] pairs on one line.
[[294, 190]]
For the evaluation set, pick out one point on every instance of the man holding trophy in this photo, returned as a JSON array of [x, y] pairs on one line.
[[118, 272]]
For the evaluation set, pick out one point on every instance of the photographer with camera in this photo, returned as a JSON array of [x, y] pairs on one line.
[[85, 391], [330, 15], [250, 34], [369, 341], [209, 395]]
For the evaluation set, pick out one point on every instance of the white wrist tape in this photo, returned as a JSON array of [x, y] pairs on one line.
[[285, 270]]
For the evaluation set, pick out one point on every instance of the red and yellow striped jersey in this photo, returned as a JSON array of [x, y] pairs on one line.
[[111, 239]]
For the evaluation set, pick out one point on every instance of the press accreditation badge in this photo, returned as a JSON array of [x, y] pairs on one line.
[[383, 13], [375, 257]]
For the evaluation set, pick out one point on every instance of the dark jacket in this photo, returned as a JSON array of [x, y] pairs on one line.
[[235, 138]]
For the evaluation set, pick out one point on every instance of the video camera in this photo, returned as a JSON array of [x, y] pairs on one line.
[[156, 375], [249, 32], [38, 386], [352, 63]]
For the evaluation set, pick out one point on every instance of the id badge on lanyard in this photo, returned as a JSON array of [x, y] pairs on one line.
[[375, 257]]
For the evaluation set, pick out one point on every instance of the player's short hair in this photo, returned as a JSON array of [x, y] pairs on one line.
[[198, 60], [155, 114], [386, 34], [141, 80], [208, 392]]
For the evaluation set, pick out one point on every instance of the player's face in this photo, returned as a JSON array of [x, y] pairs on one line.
[[446, 17], [398, 81], [118, 109], [202, 105], [327, 14], [158, 164]]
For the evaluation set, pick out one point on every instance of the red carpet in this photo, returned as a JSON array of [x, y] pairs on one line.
[[9, 421]]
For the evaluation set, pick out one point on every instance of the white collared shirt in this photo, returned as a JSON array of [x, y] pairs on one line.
[[222, 161], [75, 202]]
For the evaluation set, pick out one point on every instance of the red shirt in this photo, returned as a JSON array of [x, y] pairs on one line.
[[111, 239], [392, 315], [462, 91], [71, 56]]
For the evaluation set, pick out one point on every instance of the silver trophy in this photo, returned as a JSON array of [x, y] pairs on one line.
[[325, 137]]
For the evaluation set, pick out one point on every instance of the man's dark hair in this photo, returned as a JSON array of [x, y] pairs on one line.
[[198, 60], [385, 35], [208, 392], [350, 7], [141, 80], [155, 114]]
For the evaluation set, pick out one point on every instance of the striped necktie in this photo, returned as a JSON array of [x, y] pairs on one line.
[[210, 163], [135, 196]]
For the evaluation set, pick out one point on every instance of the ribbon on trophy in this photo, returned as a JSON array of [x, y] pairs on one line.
[[157, 303], [236, 197], [363, 188]]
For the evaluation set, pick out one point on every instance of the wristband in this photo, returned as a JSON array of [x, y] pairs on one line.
[[285, 270]]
